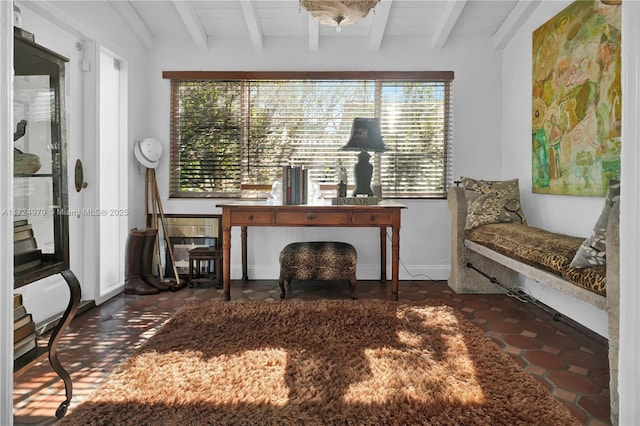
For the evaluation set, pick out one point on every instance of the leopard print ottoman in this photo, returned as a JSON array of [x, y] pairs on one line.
[[318, 260]]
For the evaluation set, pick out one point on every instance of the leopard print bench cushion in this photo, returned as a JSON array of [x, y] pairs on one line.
[[318, 260], [593, 278], [541, 249]]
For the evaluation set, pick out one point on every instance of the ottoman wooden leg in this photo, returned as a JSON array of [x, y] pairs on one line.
[[191, 274], [281, 284], [352, 287]]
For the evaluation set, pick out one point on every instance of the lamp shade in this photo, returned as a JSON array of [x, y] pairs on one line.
[[365, 135]]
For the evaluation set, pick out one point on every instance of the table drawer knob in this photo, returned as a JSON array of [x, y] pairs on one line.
[[250, 217], [311, 216], [372, 218]]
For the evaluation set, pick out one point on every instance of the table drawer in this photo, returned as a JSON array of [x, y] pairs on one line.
[[372, 218], [258, 217], [312, 218]]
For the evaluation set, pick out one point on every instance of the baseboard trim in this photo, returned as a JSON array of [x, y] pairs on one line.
[[49, 324]]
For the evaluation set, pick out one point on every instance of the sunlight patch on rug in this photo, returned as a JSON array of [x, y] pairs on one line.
[[415, 375], [190, 376]]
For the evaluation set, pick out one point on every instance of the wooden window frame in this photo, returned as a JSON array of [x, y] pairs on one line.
[[262, 190]]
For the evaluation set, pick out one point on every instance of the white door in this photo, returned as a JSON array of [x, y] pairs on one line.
[[112, 175]]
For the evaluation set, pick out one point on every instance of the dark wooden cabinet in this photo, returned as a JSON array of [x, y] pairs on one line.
[[40, 210]]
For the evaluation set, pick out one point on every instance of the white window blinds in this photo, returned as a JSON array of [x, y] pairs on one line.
[[227, 133]]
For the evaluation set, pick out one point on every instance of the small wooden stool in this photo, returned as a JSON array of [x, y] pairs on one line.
[[318, 260], [208, 255]]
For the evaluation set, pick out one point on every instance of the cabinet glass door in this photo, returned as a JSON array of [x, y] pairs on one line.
[[40, 186]]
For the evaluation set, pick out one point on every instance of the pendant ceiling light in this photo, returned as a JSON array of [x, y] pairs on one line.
[[337, 13]]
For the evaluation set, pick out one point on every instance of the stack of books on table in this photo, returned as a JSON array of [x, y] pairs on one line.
[[25, 339], [294, 185], [26, 254]]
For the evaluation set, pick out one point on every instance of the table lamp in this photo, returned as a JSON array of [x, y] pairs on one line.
[[365, 136]]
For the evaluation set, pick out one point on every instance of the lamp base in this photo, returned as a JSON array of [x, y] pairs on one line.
[[377, 190], [363, 171]]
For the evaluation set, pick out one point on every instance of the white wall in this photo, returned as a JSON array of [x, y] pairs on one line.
[[60, 26], [568, 214], [491, 117], [100, 22], [424, 247], [49, 296], [559, 213], [484, 82]]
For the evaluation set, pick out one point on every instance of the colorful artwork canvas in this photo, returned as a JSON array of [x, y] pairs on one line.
[[577, 100]]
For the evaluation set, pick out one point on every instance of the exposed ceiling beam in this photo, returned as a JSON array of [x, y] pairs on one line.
[[513, 22], [192, 23], [379, 24], [448, 20], [134, 22], [314, 33], [50, 12], [253, 25]]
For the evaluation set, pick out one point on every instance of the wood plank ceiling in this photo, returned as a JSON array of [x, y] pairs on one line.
[[433, 21]]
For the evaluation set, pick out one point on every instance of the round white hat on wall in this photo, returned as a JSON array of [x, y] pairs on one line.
[[148, 152]]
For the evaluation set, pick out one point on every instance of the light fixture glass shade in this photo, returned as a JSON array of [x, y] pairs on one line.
[[365, 135], [338, 12]]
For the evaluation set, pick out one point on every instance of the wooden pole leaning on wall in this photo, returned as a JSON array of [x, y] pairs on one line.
[[147, 222], [158, 211], [179, 283], [153, 220]]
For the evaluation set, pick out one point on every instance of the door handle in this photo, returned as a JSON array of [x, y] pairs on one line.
[[79, 176]]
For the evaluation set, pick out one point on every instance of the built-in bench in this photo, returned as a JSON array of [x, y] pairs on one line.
[[490, 257], [496, 253]]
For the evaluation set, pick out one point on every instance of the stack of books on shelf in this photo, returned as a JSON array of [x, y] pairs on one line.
[[24, 329], [294, 185], [26, 253]]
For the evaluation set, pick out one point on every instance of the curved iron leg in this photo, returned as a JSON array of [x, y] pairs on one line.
[[72, 307]]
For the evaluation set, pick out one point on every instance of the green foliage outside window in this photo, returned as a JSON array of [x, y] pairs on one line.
[[227, 134]]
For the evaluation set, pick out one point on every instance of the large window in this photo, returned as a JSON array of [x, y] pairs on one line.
[[233, 132]]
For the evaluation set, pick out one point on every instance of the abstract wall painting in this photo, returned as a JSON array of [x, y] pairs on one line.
[[577, 98]]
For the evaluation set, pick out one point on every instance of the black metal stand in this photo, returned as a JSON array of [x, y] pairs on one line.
[[69, 313], [525, 298], [21, 364]]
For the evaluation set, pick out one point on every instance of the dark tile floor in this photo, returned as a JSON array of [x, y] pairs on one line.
[[570, 362]]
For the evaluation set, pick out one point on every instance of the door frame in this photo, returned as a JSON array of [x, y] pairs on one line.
[[91, 226], [6, 202], [121, 211]]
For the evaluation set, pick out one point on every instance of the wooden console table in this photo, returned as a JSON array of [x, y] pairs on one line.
[[255, 213]]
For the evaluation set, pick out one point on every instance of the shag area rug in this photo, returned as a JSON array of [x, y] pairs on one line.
[[332, 362]]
